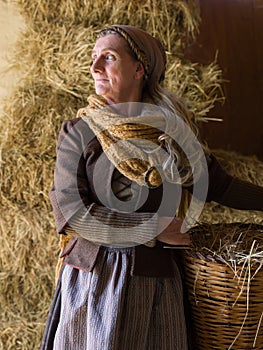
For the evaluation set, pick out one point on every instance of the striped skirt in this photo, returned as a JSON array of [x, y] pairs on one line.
[[108, 309]]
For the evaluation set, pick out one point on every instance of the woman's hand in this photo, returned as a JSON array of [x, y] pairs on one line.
[[170, 229]]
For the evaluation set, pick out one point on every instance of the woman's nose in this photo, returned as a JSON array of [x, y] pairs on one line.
[[97, 65]]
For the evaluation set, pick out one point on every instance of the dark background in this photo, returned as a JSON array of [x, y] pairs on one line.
[[234, 28]]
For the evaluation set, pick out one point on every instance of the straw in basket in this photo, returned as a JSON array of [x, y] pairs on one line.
[[224, 281]]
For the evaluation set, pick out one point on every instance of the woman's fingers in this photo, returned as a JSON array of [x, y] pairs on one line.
[[170, 232]]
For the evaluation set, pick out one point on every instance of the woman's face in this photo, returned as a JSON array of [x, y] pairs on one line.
[[117, 76]]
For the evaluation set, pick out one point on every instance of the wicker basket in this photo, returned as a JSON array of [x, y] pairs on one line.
[[226, 304]]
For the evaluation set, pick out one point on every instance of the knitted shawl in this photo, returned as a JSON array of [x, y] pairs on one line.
[[143, 147]]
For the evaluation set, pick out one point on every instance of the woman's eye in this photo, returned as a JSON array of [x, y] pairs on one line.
[[110, 57]]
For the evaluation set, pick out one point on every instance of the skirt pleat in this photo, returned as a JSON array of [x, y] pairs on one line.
[[108, 309]]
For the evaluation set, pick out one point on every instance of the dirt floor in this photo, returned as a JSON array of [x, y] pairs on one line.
[[10, 25]]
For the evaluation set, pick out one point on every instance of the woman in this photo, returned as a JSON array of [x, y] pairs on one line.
[[119, 172]]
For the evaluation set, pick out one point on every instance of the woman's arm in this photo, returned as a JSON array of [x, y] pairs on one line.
[[231, 191], [74, 210]]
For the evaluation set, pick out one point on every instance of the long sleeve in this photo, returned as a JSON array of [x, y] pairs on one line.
[[231, 191], [75, 210], [108, 227], [243, 195]]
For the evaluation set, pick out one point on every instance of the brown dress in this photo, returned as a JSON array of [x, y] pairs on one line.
[[110, 297]]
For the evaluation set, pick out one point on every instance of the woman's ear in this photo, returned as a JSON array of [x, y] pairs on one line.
[[139, 71]]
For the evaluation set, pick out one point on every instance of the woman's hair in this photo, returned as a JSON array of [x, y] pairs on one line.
[[169, 102]]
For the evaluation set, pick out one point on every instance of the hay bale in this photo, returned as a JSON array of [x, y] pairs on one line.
[[28, 142], [28, 250], [20, 334], [199, 85]]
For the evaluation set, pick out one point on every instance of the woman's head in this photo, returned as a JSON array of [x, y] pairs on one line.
[[137, 58], [117, 76]]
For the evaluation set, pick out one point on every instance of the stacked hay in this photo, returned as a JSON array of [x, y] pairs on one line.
[[246, 168], [53, 54]]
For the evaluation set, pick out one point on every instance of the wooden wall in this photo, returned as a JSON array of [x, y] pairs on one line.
[[234, 28]]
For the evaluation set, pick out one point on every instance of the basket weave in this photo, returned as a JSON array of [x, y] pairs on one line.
[[226, 305]]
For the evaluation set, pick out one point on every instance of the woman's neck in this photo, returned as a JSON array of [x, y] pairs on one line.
[[127, 109]]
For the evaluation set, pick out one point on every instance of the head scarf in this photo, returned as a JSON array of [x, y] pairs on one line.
[[148, 50]]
